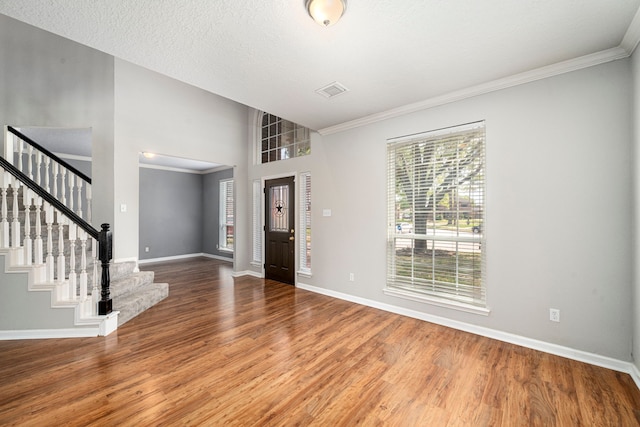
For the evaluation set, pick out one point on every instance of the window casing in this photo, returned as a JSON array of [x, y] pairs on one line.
[[305, 223], [257, 223], [436, 215], [281, 139], [225, 238]]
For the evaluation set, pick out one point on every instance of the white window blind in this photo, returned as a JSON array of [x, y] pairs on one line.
[[257, 222], [305, 223], [225, 238], [436, 214]]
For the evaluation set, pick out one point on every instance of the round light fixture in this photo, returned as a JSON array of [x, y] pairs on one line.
[[326, 12]]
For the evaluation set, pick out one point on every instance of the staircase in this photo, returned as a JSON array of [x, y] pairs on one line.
[[52, 282], [134, 292]]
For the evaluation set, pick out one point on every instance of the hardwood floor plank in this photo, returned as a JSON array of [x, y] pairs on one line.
[[245, 351]]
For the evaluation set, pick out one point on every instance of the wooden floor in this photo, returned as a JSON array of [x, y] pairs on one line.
[[249, 352]]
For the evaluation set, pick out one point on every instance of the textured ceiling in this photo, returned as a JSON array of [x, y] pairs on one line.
[[270, 55]]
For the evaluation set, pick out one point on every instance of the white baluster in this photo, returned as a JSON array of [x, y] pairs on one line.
[[61, 258], [29, 161], [4, 224], [15, 226], [54, 190], [20, 151], [79, 211], [95, 293], [63, 187], [27, 242], [48, 213], [83, 264], [72, 185], [89, 206], [37, 243], [73, 236], [47, 160], [39, 168], [10, 143], [38, 165]]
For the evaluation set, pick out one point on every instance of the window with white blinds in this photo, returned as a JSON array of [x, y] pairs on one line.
[[436, 211], [225, 237], [256, 220], [305, 223]]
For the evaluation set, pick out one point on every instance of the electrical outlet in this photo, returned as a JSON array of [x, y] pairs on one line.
[[146, 248], [352, 277], [554, 314]]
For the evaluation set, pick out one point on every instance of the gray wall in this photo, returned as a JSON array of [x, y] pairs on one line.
[[211, 205], [636, 210], [179, 213], [49, 81], [157, 114], [171, 213], [82, 165], [559, 202], [14, 296]]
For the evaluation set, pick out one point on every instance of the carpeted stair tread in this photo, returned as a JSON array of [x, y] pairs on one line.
[[131, 284], [133, 303]]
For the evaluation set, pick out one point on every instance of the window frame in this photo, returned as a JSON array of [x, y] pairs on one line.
[[226, 186], [280, 139], [415, 278], [256, 223], [304, 236]]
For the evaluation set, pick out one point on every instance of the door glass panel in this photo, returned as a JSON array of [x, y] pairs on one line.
[[279, 208]]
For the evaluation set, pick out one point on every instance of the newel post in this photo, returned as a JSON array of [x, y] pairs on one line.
[[104, 245]]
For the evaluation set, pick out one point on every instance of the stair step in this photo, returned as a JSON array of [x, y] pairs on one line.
[[133, 303], [131, 292], [135, 282], [118, 270]]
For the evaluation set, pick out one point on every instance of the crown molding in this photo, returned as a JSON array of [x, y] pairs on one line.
[[169, 168], [632, 36], [579, 63], [182, 170]]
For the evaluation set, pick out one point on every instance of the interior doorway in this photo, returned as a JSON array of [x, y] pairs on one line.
[[279, 230]]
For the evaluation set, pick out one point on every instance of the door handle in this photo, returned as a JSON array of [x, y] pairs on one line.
[[291, 238]]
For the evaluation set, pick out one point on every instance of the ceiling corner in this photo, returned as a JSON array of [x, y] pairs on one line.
[[632, 36]]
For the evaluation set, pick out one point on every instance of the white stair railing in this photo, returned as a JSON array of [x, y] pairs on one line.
[[63, 181], [23, 241]]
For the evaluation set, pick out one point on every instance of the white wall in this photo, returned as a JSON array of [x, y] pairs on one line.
[[157, 114], [559, 202]]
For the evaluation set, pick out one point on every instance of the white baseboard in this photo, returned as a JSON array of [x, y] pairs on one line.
[[218, 257], [36, 334], [130, 259], [177, 257], [635, 374], [247, 273], [558, 350], [109, 324]]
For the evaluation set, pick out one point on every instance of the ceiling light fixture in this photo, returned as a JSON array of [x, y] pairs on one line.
[[326, 12]]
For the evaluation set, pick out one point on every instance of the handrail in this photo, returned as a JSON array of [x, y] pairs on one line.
[[49, 198], [48, 153]]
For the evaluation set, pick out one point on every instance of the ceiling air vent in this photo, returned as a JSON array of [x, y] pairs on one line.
[[331, 90]]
